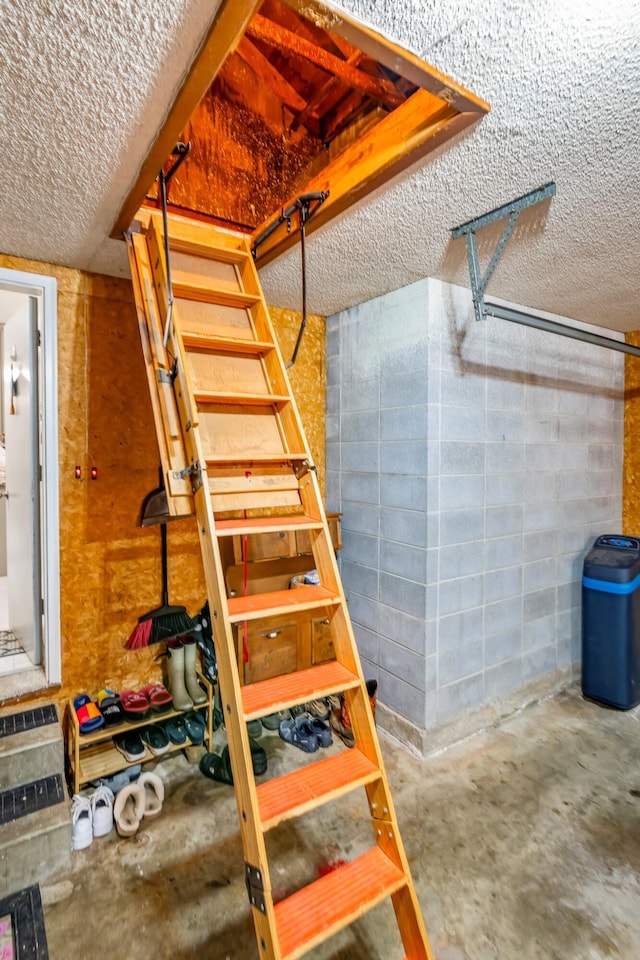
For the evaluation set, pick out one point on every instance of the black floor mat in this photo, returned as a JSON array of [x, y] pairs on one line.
[[28, 720], [20, 801], [22, 932]]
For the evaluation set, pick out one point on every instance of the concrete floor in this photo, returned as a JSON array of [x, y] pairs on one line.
[[524, 843]]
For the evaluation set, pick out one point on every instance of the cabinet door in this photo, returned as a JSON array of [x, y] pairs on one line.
[[273, 648], [264, 546], [321, 641]]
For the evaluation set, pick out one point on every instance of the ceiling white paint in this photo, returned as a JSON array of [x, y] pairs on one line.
[[85, 85]]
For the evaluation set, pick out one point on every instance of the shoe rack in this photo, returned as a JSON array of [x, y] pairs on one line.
[[92, 756]]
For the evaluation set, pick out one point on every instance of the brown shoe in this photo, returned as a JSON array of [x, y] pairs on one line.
[[341, 721]]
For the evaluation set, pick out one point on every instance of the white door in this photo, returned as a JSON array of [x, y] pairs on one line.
[[20, 401]]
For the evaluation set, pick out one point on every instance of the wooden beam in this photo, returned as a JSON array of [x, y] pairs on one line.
[[343, 113], [284, 40], [322, 92], [423, 123], [329, 16], [224, 33], [272, 77]]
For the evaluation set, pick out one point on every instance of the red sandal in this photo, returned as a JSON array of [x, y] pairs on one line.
[[158, 696], [135, 705]]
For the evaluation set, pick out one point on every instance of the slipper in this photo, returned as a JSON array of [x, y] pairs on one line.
[[156, 739], [153, 790], [195, 724], [299, 733], [128, 809], [158, 696], [322, 731], [175, 729], [89, 717], [135, 705], [110, 707], [130, 746], [258, 758], [273, 720], [217, 767]]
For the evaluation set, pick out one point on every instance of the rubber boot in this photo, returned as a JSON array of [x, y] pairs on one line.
[[175, 670], [194, 689]]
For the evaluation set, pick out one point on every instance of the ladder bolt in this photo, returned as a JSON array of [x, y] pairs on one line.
[[379, 833], [384, 810], [390, 835]]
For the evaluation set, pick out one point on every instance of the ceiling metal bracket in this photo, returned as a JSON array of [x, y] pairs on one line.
[[479, 281]]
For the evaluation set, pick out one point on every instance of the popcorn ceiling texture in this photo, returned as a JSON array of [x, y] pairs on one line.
[[85, 87]]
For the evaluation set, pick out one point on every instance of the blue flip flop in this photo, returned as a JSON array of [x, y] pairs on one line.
[[89, 717]]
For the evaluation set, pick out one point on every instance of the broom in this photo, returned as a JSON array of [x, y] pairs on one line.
[[165, 621]]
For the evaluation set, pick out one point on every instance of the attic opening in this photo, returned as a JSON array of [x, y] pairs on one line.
[[289, 97]]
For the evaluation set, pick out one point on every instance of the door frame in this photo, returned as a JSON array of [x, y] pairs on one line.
[[46, 290]]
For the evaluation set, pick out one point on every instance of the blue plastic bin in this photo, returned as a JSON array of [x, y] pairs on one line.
[[611, 621]]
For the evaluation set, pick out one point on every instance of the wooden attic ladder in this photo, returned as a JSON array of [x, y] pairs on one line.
[[232, 444]]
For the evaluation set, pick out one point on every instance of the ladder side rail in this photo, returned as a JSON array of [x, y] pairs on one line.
[[253, 842], [168, 430]]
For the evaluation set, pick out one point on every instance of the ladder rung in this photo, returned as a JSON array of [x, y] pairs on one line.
[[275, 602], [312, 785], [313, 914], [201, 341], [208, 397], [208, 252], [229, 528], [250, 458], [289, 689], [209, 294]]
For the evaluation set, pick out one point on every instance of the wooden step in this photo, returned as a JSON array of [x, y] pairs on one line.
[[239, 527], [210, 294], [275, 602], [256, 457], [312, 785], [316, 912], [208, 252], [214, 344], [210, 397], [289, 689]]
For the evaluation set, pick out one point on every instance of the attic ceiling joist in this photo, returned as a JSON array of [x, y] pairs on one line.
[[281, 39]]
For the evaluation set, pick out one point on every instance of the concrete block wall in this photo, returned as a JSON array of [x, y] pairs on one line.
[[474, 464]]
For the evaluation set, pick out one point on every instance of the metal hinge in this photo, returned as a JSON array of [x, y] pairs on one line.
[[304, 468], [168, 376], [194, 471], [255, 888]]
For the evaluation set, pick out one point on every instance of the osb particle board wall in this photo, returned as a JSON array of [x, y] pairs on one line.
[[631, 476], [109, 566]]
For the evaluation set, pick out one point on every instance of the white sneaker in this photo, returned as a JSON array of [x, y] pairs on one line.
[[82, 822], [102, 811]]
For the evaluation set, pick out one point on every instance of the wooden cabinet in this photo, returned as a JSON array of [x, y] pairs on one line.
[[291, 641], [92, 756]]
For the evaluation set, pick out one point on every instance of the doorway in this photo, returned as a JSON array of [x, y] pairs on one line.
[[29, 516]]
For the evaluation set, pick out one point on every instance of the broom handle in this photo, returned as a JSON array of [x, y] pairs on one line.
[[165, 572]]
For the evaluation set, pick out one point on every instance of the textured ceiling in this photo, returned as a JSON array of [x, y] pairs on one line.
[[85, 85]]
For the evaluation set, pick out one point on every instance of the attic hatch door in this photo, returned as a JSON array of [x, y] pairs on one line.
[[287, 98]]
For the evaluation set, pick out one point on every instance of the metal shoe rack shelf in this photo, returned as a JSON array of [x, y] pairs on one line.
[[94, 755]]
